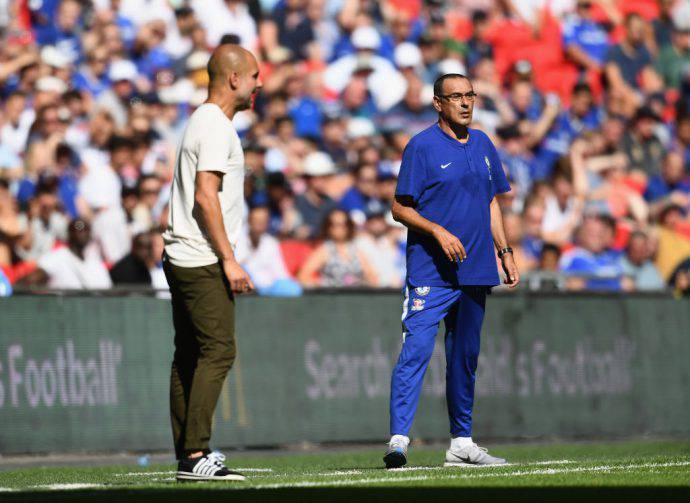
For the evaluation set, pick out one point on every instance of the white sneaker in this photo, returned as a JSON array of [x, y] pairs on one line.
[[396, 456], [208, 467], [471, 455]]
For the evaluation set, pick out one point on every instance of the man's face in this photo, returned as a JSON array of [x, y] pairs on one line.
[[249, 84], [366, 181], [454, 105], [584, 9], [593, 235], [14, 107], [636, 30], [149, 191], [79, 234], [68, 15], [673, 169], [534, 216], [682, 40], [141, 248], [258, 222], [638, 249], [581, 103]]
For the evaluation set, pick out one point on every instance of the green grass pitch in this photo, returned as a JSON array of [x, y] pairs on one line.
[[625, 471]]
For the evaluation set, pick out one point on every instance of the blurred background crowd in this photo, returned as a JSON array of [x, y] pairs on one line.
[[588, 102]]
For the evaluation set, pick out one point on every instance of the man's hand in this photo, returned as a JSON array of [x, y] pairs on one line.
[[511, 270], [238, 277], [450, 244]]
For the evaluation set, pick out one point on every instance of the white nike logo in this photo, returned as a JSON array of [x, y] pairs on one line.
[[444, 166]]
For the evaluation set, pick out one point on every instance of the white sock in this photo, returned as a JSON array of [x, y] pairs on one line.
[[460, 442], [400, 438]]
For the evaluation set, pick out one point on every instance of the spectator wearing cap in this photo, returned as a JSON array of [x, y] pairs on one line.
[[386, 84], [637, 264], [362, 198], [77, 266], [413, 113], [674, 58], [672, 185], [643, 148], [337, 262], [408, 59], [590, 265], [314, 204], [629, 69], [92, 76], [116, 100]]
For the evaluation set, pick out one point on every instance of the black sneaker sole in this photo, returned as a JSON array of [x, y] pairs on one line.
[[395, 460], [193, 477]]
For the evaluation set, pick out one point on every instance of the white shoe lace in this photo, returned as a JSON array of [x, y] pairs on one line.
[[217, 458]]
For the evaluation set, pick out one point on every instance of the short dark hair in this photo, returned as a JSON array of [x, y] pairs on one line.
[[550, 247], [582, 87], [438, 84]]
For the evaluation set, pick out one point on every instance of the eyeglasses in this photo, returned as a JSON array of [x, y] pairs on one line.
[[457, 97]]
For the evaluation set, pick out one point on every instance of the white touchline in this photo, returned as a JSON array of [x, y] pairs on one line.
[[340, 472], [475, 475], [66, 487], [151, 474]]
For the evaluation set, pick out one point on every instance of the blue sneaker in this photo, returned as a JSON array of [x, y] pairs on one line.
[[396, 456]]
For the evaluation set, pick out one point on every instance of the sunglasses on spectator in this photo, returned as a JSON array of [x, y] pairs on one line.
[[458, 97]]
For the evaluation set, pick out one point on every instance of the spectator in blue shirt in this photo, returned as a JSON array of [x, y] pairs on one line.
[[585, 41], [92, 76], [672, 185], [62, 27], [151, 56], [362, 198], [591, 265], [583, 115], [516, 159]]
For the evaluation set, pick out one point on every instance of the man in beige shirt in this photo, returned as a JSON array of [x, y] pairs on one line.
[[204, 225]]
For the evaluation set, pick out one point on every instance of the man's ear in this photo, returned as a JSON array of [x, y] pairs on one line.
[[436, 103], [234, 80]]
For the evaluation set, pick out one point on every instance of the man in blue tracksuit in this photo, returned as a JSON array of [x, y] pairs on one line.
[[446, 197]]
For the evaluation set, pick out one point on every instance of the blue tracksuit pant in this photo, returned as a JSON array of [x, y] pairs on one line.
[[462, 310]]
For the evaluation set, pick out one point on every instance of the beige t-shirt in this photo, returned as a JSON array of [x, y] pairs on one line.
[[209, 143]]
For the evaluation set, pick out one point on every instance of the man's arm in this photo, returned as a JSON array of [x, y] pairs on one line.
[[500, 242], [404, 212], [207, 185]]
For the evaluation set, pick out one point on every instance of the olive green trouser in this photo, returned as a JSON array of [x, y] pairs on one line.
[[203, 308]]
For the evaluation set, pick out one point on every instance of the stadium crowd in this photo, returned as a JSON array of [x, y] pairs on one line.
[[588, 102]]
